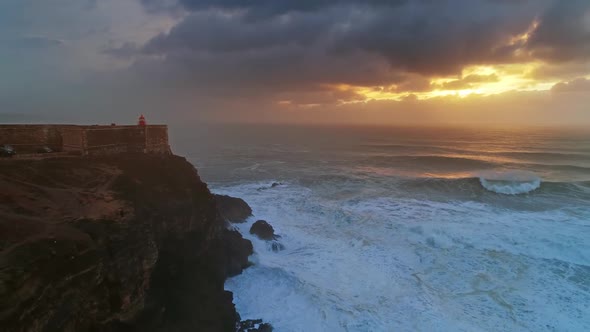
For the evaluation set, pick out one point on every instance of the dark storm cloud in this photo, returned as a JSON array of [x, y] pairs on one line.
[[284, 44], [262, 72], [409, 34], [439, 38], [215, 32], [262, 8], [563, 33]]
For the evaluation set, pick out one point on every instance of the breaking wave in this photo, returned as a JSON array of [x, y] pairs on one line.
[[498, 182], [510, 182]]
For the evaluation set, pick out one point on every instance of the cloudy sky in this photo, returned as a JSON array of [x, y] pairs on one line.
[[311, 61]]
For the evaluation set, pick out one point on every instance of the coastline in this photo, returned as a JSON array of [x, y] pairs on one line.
[[116, 243]]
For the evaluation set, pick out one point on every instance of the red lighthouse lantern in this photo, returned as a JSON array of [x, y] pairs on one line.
[[141, 121]]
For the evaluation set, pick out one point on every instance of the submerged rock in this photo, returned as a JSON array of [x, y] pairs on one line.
[[263, 230], [233, 209], [276, 246]]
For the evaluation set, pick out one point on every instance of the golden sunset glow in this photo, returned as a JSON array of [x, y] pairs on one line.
[[524, 37], [474, 80]]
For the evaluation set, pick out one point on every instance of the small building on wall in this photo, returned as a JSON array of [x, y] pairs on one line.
[[87, 140]]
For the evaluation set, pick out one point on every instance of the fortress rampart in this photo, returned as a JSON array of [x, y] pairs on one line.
[[87, 140]]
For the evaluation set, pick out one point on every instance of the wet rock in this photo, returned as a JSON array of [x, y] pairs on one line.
[[265, 327], [237, 251], [252, 325], [232, 209], [273, 185], [263, 230]]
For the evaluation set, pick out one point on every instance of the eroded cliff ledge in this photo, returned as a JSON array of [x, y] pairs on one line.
[[128, 242]]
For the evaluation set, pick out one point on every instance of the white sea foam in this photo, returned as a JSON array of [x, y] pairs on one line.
[[510, 182], [372, 262]]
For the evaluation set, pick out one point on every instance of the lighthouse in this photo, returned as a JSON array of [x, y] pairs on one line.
[[141, 121]]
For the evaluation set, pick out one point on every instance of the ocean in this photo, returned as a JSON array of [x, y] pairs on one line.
[[407, 229]]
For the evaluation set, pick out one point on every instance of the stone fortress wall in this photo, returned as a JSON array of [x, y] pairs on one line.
[[28, 138], [87, 140]]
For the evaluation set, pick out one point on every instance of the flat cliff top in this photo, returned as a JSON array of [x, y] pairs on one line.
[[37, 195], [58, 190]]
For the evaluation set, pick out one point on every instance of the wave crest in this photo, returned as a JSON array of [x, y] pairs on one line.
[[510, 182]]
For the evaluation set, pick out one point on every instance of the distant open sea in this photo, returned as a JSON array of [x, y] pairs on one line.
[[408, 229]]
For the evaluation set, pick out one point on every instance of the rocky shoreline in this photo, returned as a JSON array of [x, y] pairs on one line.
[[120, 243]]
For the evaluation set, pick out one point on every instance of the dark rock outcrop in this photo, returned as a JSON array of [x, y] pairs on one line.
[[263, 230], [238, 250], [125, 243], [233, 209]]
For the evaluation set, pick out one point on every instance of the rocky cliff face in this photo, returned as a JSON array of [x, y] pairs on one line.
[[132, 242]]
